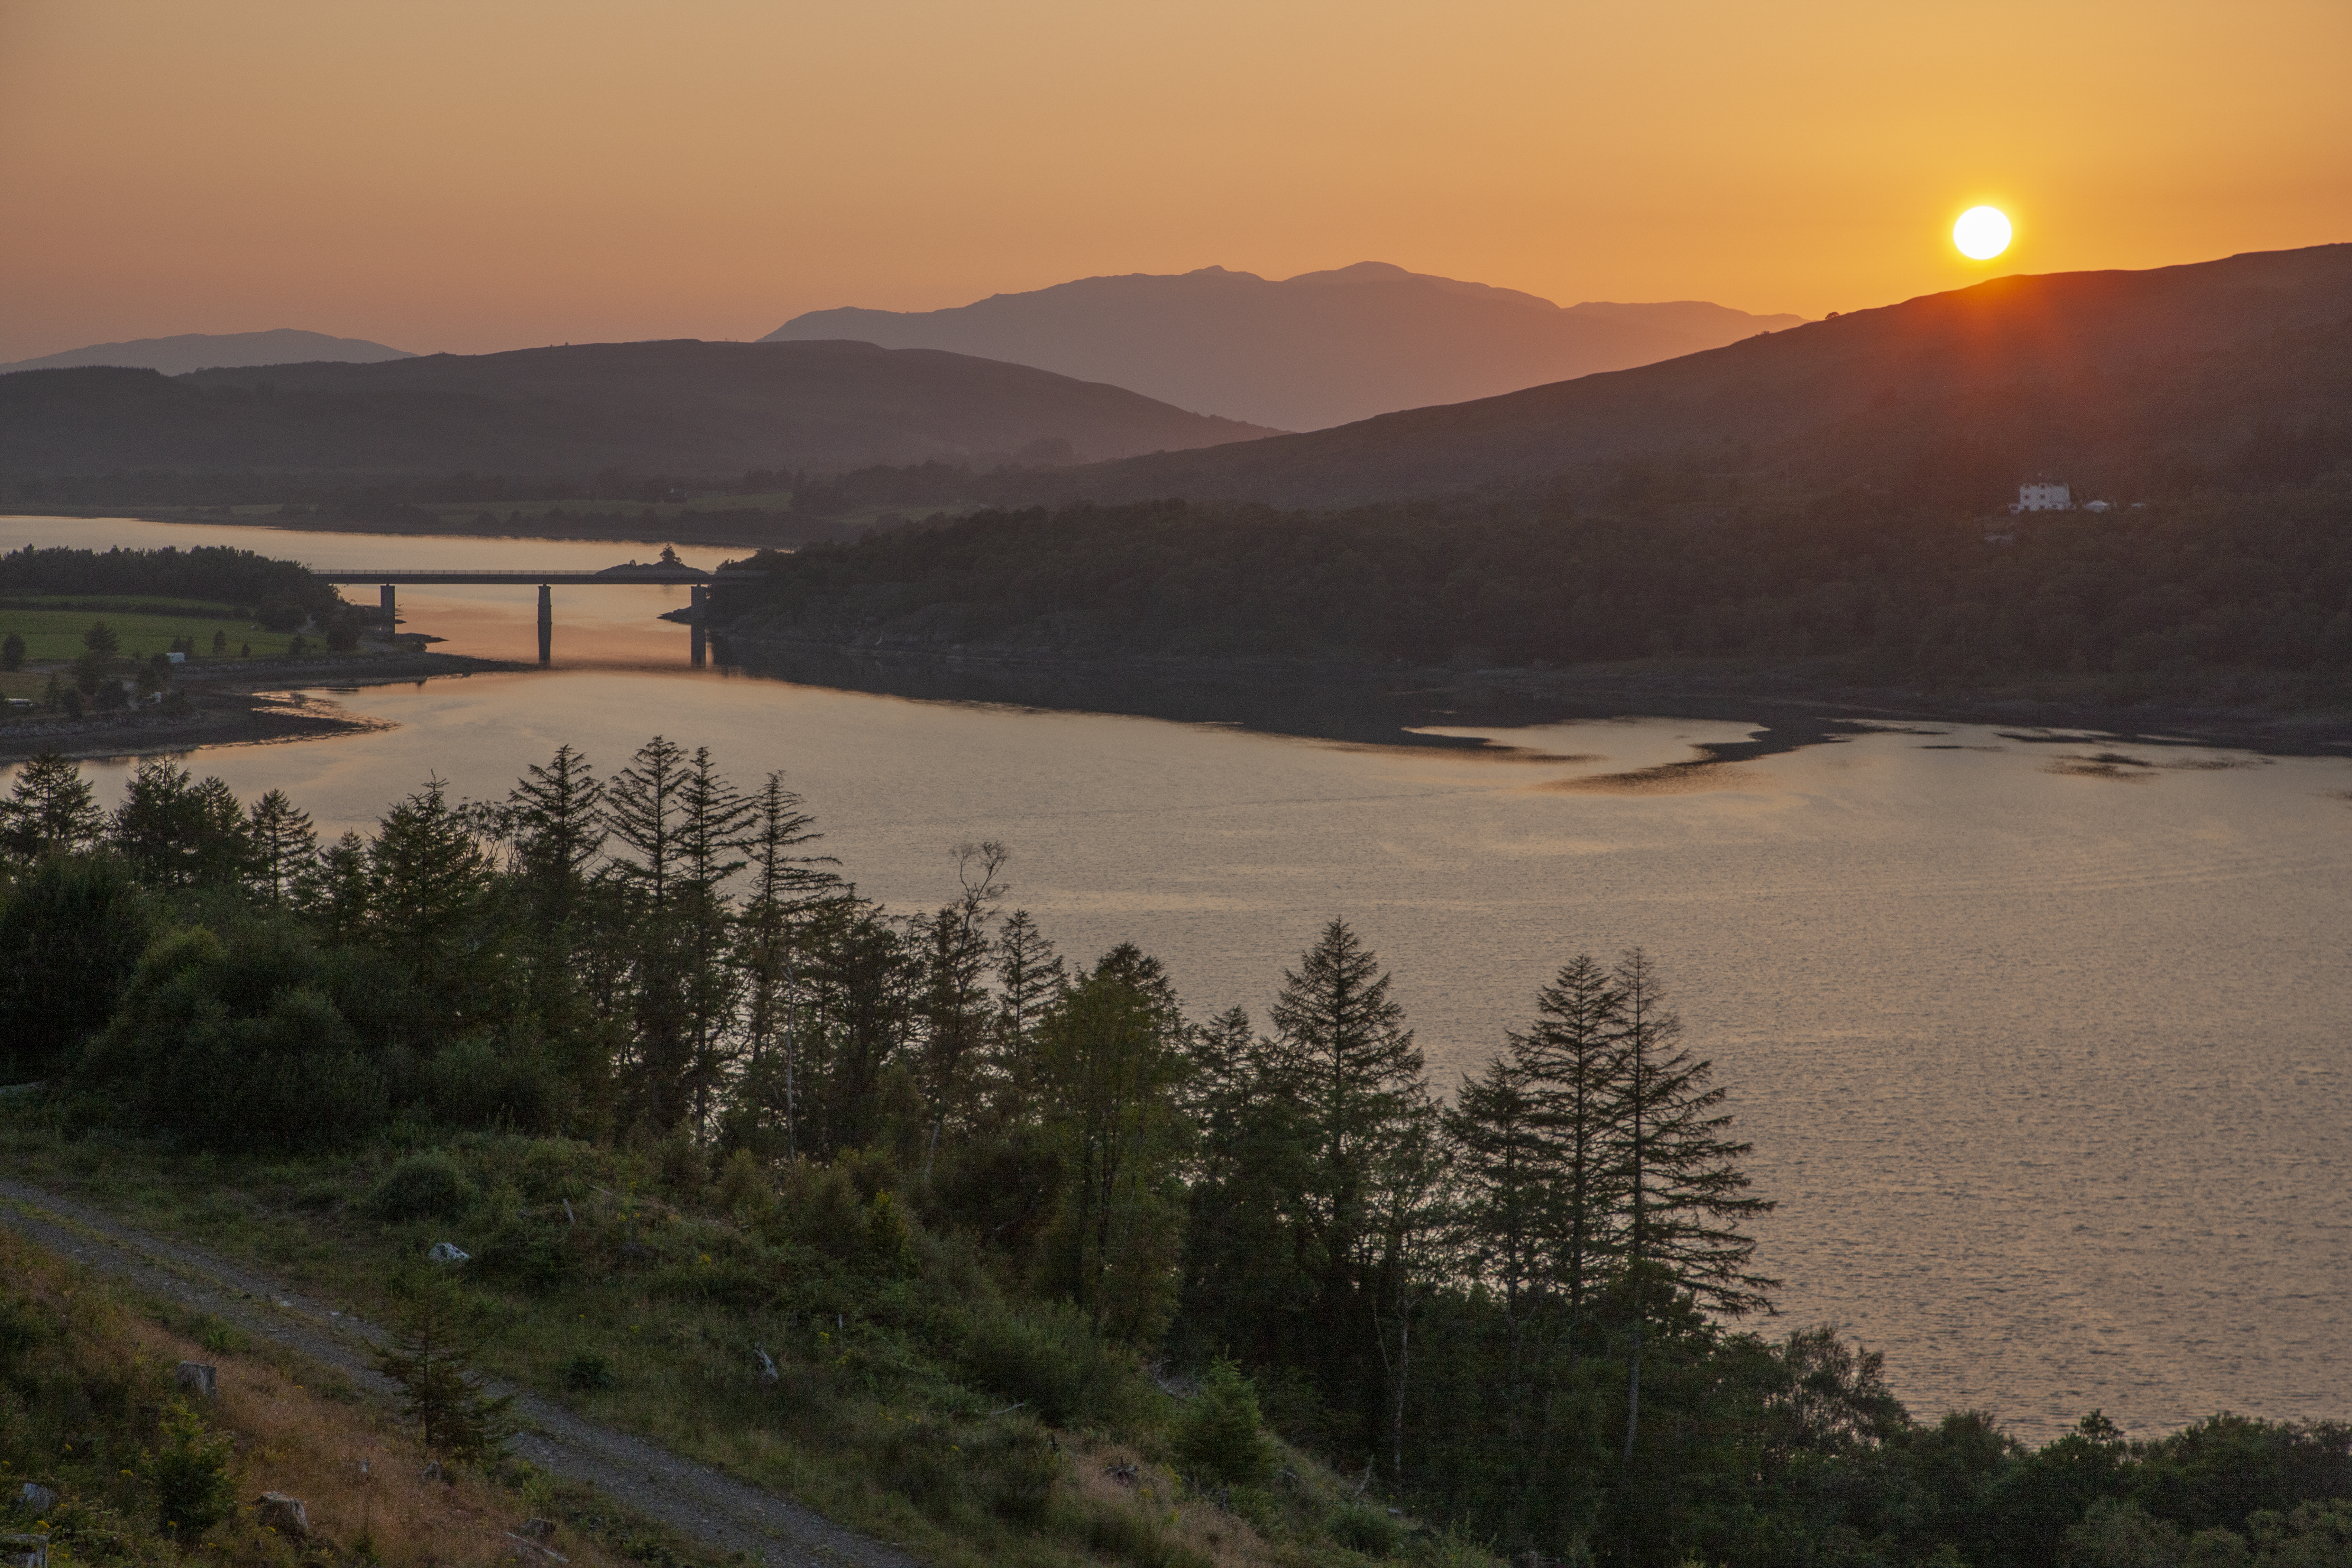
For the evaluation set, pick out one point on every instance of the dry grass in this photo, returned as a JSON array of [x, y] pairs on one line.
[[304, 1432]]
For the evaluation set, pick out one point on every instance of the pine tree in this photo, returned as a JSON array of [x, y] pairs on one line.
[[641, 807], [1110, 1059], [956, 1011], [1572, 1062], [1684, 1198], [1341, 1051], [50, 809], [1029, 976], [284, 847], [430, 1354], [786, 883], [426, 876], [554, 817]]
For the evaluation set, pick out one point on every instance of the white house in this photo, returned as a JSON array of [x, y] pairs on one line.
[[2043, 495]]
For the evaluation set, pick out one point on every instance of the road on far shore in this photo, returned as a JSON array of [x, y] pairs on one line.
[[692, 1498]]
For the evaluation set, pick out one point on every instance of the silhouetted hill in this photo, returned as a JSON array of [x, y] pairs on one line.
[[2179, 364], [1305, 352], [205, 351], [682, 407]]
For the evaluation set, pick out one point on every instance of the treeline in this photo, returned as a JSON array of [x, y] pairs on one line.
[[1519, 1308], [1892, 591], [277, 592]]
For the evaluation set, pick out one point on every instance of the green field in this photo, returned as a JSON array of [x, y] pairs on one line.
[[52, 636]]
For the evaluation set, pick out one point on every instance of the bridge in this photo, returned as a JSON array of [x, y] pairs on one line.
[[669, 570]]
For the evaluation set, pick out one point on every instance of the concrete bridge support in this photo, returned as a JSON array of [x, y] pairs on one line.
[[546, 626], [391, 610], [698, 604]]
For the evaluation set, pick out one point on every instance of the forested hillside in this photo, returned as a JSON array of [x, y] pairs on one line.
[[1017, 1256], [1664, 564]]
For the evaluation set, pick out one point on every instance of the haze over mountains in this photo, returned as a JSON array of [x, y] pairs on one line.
[[680, 408], [2168, 366], [207, 351], [1300, 353]]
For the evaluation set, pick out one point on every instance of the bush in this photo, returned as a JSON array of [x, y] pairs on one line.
[[1220, 1434], [476, 1081], [429, 1186], [73, 930], [1365, 1530], [229, 1042], [1050, 1359], [587, 1372]]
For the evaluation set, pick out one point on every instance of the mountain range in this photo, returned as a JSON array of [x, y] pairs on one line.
[[207, 351], [677, 408], [1301, 353], [2171, 365]]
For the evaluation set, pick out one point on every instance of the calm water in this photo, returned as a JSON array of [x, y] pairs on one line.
[[2045, 1060]]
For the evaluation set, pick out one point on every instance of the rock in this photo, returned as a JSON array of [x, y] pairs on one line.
[[197, 1378], [431, 1472], [39, 1499], [283, 1514], [448, 1252], [537, 1529]]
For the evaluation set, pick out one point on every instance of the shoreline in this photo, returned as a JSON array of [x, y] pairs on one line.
[[1801, 703], [247, 707]]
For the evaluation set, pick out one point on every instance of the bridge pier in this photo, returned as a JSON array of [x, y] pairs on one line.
[[697, 599], [546, 626], [391, 611]]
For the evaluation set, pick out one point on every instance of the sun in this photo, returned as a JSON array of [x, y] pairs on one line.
[[1982, 233]]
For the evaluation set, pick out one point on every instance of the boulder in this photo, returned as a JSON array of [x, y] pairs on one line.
[[448, 1252], [39, 1499], [197, 1378], [283, 1514]]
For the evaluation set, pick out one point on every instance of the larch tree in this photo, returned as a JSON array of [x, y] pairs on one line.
[[284, 847], [50, 809], [1683, 1196]]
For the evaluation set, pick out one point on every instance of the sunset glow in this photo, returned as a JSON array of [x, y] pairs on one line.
[[469, 178]]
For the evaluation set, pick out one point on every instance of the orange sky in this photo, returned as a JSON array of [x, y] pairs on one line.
[[495, 173]]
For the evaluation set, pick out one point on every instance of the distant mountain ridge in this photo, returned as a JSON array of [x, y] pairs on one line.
[[1301, 353], [683, 407], [211, 351], [2169, 364]]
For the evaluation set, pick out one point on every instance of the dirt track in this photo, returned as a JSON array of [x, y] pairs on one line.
[[692, 1498]]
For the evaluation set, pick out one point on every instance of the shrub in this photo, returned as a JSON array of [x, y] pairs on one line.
[[229, 1041], [1365, 1530], [587, 1372], [1220, 1433], [478, 1082], [428, 1185], [73, 930], [1049, 1358]]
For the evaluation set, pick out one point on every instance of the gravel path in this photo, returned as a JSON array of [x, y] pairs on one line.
[[692, 1498]]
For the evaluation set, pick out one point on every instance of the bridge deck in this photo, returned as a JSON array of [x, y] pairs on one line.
[[424, 577]]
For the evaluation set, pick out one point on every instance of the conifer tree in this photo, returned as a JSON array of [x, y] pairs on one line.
[[1342, 1052], [284, 847], [554, 817], [956, 1011], [785, 883], [50, 809], [1110, 1059], [1684, 1198], [641, 807], [430, 1354]]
